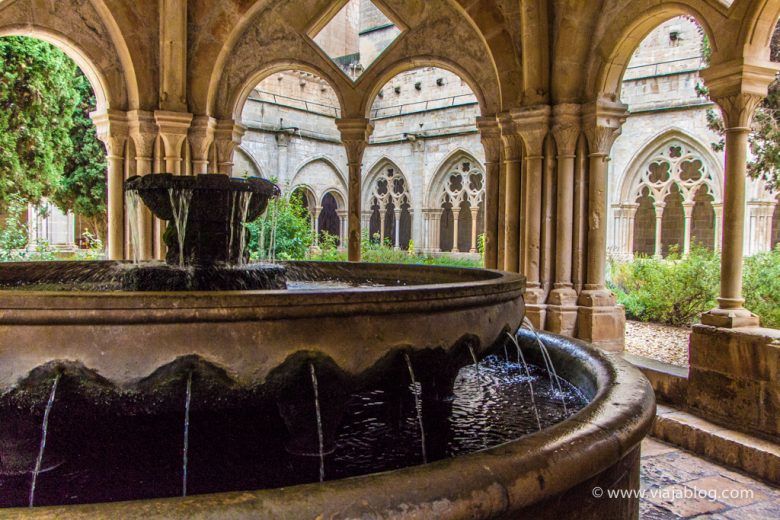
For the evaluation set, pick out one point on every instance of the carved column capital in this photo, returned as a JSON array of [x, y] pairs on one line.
[[113, 129], [566, 128], [143, 131], [533, 125], [490, 134], [173, 128], [602, 121], [738, 86], [354, 135], [510, 139], [201, 135]]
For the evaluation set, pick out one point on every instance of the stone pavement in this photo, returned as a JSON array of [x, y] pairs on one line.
[[678, 484]]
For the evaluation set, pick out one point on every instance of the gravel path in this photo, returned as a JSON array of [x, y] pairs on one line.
[[661, 342]]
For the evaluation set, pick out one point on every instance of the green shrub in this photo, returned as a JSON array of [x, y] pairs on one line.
[[674, 290], [677, 289], [374, 252], [761, 286], [293, 231]]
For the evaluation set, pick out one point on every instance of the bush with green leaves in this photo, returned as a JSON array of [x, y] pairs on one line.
[[292, 237], [674, 290], [372, 251], [677, 289], [761, 286]]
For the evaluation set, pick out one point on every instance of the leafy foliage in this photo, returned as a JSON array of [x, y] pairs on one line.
[[37, 103], [764, 139], [677, 289], [293, 230], [82, 187]]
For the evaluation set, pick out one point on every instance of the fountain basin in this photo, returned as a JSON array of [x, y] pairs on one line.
[[549, 474], [125, 336]]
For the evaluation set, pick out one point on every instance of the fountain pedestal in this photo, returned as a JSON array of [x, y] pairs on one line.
[[206, 235]]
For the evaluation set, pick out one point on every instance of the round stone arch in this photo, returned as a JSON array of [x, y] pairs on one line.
[[253, 167], [384, 76], [623, 32], [337, 182], [668, 196], [456, 200], [758, 24], [238, 98], [108, 94]]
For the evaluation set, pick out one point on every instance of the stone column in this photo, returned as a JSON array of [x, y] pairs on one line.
[[600, 320], [201, 136], [382, 223], [512, 146], [474, 215], [631, 209], [397, 229], [143, 131], [316, 225], [112, 129], [737, 88], [688, 213], [365, 224], [342, 214], [562, 302], [354, 135], [490, 133], [282, 158], [437, 230], [227, 136], [717, 209], [455, 217], [659, 215], [417, 189], [532, 124]]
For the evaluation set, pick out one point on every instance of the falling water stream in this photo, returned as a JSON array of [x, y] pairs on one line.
[[243, 198], [521, 358], [547, 361], [44, 431], [180, 206], [186, 449], [417, 391], [320, 439], [232, 224], [272, 244]]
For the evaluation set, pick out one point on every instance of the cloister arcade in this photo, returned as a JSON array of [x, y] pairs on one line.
[[171, 97]]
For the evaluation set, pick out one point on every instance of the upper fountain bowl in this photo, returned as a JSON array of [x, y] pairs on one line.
[[210, 210]]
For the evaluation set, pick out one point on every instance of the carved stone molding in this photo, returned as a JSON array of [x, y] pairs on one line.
[[738, 86], [113, 129], [201, 135], [533, 125], [512, 148], [738, 109], [143, 131], [602, 122], [490, 134], [354, 136], [566, 127]]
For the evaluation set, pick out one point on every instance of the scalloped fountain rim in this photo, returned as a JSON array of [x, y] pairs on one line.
[[601, 442]]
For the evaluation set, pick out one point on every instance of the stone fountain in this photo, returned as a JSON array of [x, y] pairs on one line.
[[206, 235], [92, 352]]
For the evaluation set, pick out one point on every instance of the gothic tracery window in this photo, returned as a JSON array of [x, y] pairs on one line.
[[462, 198], [390, 205]]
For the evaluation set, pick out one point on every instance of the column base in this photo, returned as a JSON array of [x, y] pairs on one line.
[[600, 320], [733, 377], [730, 318], [535, 308], [562, 311]]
